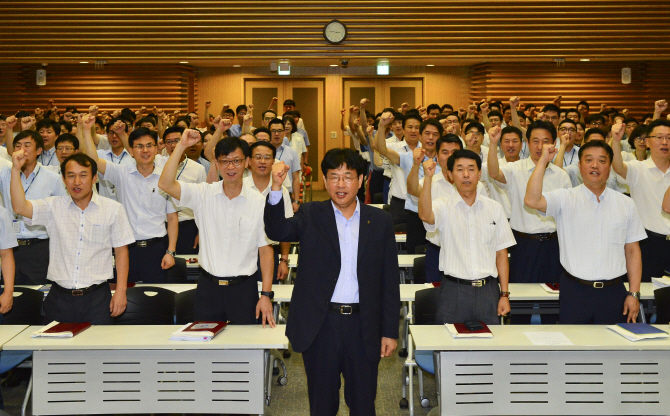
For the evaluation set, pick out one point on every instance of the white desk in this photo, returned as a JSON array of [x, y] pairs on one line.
[[602, 373], [7, 332], [136, 369], [401, 238]]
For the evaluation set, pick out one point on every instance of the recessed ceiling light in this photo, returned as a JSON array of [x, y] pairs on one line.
[[430, 65], [585, 60], [236, 66], [83, 62], [183, 62], [334, 65]]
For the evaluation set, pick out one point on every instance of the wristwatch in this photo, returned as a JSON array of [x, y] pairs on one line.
[[504, 295], [270, 295], [284, 260], [636, 295], [172, 253]]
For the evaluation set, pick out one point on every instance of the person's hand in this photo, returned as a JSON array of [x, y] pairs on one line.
[[388, 346], [429, 168], [264, 307], [39, 113], [189, 138], [541, 116], [603, 108], [461, 112], [371, 130], [19, 159], [617, 131], [282, 271], [422, 110], [165, 117], [93, 110], [386, 119], [557, 101], [418, 154], [494, 135], [119, 127], [343, 111], [356, 110], [472, 108], [50, 104], [565, 140], [295, 206], [160, 113], [67, 116], [225, 124], [11, 123], [118, 304], [514, 103], [216, 122], [625, 112], [196, 241], [503, 306], [167, 262], [27, 123], [484, 107], [250, 108], [154, 110], [364, 102], [226, 107], [660, 106], [548, 152], [248, 118], [6, 301], [274, 100], [279, 172], [208, 103], [450, 129], [116, 113], [631, 307], [404, 108], [88, 120]]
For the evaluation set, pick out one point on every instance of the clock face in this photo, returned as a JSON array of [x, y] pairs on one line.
[[335, 32]]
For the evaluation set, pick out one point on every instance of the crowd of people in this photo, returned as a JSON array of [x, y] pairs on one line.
[[90, 198]]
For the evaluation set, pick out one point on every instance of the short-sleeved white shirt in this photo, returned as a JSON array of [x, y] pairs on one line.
[[288, 208], [231, 230], [398, 185], [647, 185], [498, 193], [7, 235], [592, 234], [191, 172], [107, 189]]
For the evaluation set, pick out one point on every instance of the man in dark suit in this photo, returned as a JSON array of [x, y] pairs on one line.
[[344, 309]]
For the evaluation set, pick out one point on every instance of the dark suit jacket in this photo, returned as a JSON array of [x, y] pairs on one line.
[[315, 228]]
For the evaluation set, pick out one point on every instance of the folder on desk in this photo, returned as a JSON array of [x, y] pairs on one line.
[[638, 331], [61, 330], [659, 282], [198, 331], [460, 331], [550, 287]]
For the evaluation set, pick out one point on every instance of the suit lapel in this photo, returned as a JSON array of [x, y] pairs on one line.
[[364, 229], [330, 226]]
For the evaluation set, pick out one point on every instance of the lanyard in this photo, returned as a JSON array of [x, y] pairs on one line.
[[111, 157], [282, 152], [46, 164], [31, 182], [182, 169], [572, 157]]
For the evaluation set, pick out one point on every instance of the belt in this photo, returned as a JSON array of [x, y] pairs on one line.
[[651, 233], [596, 285], [29, 241], [78, 292], [146, 243], [344, 309], [225, 282], [540, 236], [475, 283]]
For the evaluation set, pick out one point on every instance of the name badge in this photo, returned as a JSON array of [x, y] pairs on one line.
[[16, 226]]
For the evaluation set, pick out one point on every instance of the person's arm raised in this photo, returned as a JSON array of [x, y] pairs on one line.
[[168, 182], [514, 104], [221, 126], [413, 186], [20, 204], [534, 198], [9, 134], [485, 115], [659, 107], [618, 164], [560, 153], [204, 116], [87, 145], [246, 125], [380, 140], [426, 198], [492, 158]]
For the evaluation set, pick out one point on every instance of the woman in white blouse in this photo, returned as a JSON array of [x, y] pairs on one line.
[[638, 144], [295, 139]]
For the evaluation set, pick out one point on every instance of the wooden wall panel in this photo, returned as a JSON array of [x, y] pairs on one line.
[[596, 82], [170, 87]]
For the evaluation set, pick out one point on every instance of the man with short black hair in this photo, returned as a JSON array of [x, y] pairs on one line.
[[447, 109], [433, 110], [289, 156], [236, 129], [595, 121], [551, 113], [49, 130]]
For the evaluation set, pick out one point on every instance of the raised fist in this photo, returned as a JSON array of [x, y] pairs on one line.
[[207, 103], [39, 112], [418, 154], [494, 134], [364, 102], [93, 110], [119, 127], [514, 102], [618, 130], [88, 120], [386, 119], [248, 118], [250, 107], [661, 106], [557, 101], [190, 137], [11, 122], [429, 168]]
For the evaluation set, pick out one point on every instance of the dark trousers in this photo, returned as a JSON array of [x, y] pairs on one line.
[[433, 273], [338, 349], [188, 231], [655, 257], [581, 304], [376, 179], [92, 307], [416, 232], [145, 263], [386, 188], [361, 190], [459, 303], [398, 212], [32, 263], [235, 303]]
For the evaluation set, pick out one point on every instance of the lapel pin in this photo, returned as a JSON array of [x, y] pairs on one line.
[[368, 222]]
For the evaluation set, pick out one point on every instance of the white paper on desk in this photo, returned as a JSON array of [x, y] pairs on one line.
[[548, 338]]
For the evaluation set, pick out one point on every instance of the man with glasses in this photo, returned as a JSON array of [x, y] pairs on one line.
[[648, 181], [66, 145], [113, 151], [268, 116], [232, 239], [551, 113], [289, 156], [595, 121], [474, 137], [147, 206], [567, 133]]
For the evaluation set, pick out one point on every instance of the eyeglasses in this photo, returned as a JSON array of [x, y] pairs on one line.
[[147, 146], [660, 138], [640, 139], [336, 179], [268, 118], [64, 149], [276, 131], [567, 130], [235, 162], [597, 123], [474, 134], [262, 157], [450, 122], [171, 142]]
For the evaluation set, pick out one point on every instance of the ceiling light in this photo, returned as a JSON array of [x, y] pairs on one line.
[[334, 65], [183, 62], [83, 62], [236, 66], [585, 59], [430, 65], [383, 67]]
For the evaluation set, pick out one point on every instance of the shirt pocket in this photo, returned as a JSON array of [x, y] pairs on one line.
[[488, 233], [617, 232], [158, 201], [96, 234], [247, 230]]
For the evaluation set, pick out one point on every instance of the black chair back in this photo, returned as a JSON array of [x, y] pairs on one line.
[[419, 270], [27, 307], [400, 228], [421, 249], [662, 300], [178, 273], [148, 305], [184, 303], [425, 306]]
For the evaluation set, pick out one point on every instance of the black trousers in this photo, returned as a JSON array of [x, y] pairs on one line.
[[188, 231], [361, 191], [376, 179], [416, 232], [433, 273], [655, 257], [397, 210], [581, 304], [145, 263], [92, 307], [236, 303], [338, 349], [459, 303], [32, 263]]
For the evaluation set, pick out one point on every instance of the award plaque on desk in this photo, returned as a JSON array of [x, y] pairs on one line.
[[198, 331], [61, 330], [461, 331]]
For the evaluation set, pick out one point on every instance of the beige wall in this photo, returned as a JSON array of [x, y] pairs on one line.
[[441, 85]]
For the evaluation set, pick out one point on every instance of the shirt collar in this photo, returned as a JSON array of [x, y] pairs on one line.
[[38, 167], [156, 171], [356, 212], [591, 196], [110, 152], [95, 200], [218, 189], [50, 151], [459, 199]]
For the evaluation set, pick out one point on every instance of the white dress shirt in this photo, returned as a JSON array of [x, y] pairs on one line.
[[290, 157], [4, 155], [288, 208], [41, 183], [612, 181], [190, 172], [145, 203], [48, 157], [297, 143], [107, 188], [386, 165], [571, 157], [647, 185], [398, 185], [592, 234], [470, 236], [231, 230], [498, 193], [346, 288], [80, 244], [517, 174], [7, 235]]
